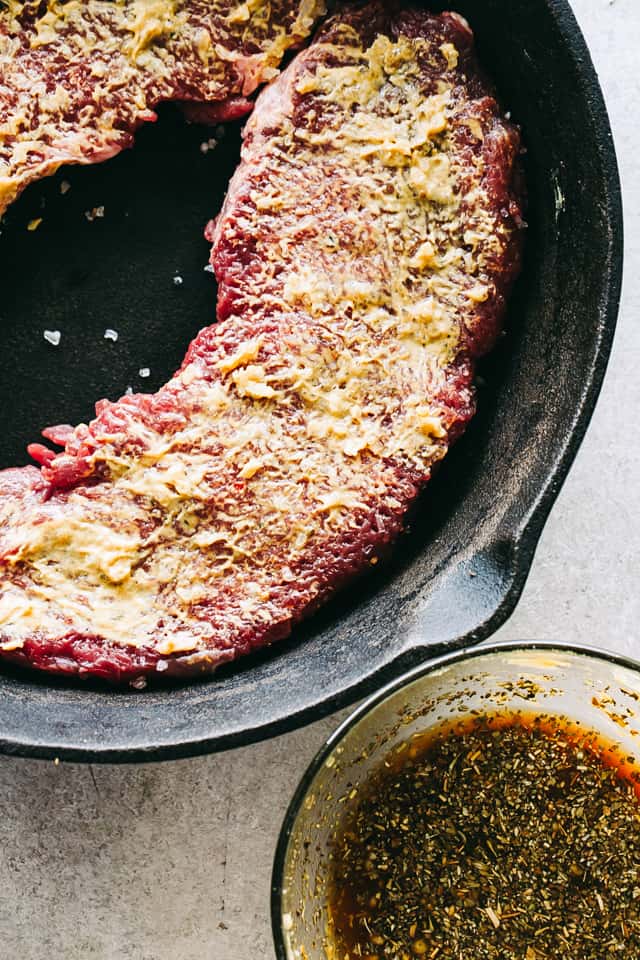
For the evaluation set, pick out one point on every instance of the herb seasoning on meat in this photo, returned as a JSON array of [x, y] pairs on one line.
[[364, 254], [502, 838]]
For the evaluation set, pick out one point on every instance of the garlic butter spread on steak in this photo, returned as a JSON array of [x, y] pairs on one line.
[[78, 76], [364, 252]]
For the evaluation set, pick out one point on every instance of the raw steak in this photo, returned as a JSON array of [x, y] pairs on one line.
[[364, 253], [78, 76]]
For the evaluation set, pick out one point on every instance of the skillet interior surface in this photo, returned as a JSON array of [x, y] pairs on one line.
[[458, 573]]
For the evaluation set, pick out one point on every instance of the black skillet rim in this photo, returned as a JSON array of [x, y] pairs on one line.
[[370, 704], [525, 537]]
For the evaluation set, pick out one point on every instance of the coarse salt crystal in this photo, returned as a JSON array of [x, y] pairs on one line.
[[95, 213], [161, 666], [144, 372], [208, 268], [209, 144], [110, 334], [52, 337], [128, 391], [178, 281]]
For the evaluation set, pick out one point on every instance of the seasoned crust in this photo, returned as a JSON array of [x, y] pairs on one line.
[[77, 77], [364, 253]]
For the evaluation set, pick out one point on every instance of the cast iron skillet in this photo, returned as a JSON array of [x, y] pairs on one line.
[[458, 574]]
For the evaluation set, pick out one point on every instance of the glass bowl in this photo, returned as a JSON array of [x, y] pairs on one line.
[[588, 688]]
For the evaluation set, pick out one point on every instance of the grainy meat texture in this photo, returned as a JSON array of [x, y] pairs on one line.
[[78, 76], [364, 253]]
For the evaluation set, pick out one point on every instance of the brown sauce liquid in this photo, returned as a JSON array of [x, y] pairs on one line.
[[503, 838]]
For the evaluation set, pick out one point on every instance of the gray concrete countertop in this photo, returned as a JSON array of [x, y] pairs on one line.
[[172, 861]]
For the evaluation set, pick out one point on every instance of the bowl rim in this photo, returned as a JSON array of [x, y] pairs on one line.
[[370, 704]]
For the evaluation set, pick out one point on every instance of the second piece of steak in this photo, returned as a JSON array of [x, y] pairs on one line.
[[364, 253], [77, 77]]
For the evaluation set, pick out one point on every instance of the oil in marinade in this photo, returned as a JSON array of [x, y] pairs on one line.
[[506, 837]]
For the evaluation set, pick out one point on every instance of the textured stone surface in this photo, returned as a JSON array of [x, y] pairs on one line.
[[172, 862]]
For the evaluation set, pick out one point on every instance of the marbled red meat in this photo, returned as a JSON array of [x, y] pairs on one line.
[[77, 77], [364, 254]]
